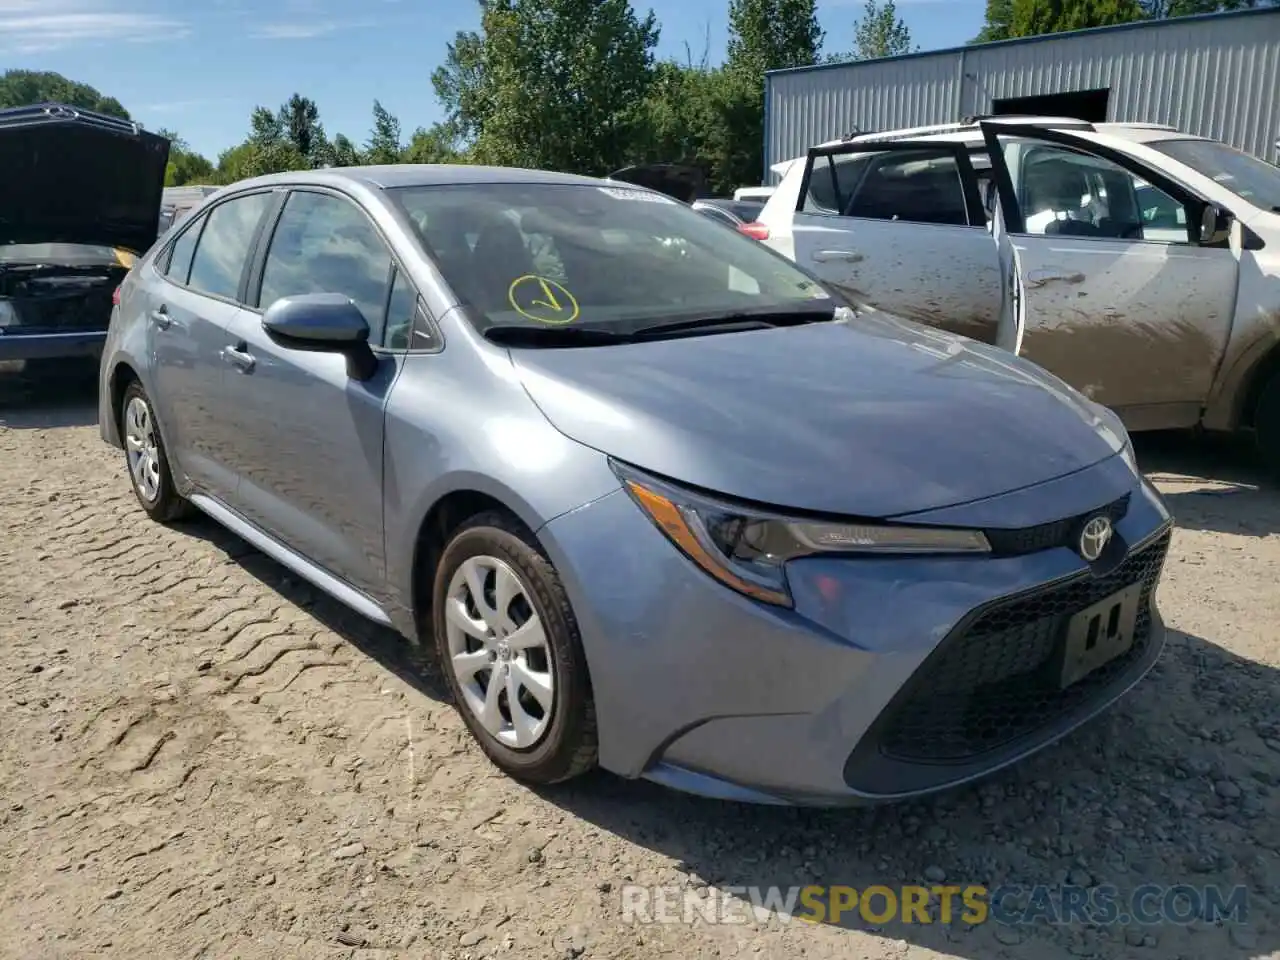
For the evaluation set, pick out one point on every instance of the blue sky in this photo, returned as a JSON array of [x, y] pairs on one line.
[[200, 66]]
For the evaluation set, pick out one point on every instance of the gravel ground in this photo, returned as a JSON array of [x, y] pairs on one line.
[[203, 758]]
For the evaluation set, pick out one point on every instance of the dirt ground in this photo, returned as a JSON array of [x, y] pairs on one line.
[[201, 757]]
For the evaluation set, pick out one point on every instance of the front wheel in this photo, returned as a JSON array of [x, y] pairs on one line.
[[1266, 422], [148, 464], [510, 648]]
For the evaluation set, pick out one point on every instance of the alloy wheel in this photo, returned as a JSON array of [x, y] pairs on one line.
[[142, 449], [499, 652]]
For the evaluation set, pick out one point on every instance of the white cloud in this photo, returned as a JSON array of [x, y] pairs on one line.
[[33, 26], [305, 29]]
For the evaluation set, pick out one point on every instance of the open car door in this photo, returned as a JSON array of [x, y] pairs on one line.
[[899, 225], [1110, 281]]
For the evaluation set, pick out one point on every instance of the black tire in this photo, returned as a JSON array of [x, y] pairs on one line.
[[167, 505], [567, 747], [1266, 422]]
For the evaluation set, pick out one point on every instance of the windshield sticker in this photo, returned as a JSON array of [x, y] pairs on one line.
[[542, 300], [641, 196]]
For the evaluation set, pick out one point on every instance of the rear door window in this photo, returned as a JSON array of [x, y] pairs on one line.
[[181, 253], [223, 246], [911, 186]]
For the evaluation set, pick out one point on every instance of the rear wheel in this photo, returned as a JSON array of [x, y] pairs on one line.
[[510, 648], [1266, 421], [148, 464]]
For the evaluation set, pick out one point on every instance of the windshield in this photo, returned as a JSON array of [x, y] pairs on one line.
[[1246, 176], [62, 254], [604, 257]]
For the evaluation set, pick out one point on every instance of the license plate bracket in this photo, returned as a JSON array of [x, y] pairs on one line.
[[1098, 634]]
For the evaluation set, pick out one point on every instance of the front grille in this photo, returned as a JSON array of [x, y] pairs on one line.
[[1046, 536], [993, 680]]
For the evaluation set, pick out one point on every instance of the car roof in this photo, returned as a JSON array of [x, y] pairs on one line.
[[422, 175], [968, 131]]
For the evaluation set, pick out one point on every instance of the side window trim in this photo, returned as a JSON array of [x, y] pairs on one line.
[[1190, 200], [251, 279], [421, 326], [200, 223]]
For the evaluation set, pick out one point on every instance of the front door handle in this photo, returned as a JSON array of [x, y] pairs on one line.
[[1038, 278], [846, 256], [160, 317], [239, 356]]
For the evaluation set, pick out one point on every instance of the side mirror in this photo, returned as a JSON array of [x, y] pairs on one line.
[[1215, 226], [323, 323]]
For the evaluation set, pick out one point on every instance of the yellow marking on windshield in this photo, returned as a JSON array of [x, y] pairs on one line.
[[542, 300]]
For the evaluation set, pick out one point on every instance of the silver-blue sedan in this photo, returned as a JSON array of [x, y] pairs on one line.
[[661, 501]]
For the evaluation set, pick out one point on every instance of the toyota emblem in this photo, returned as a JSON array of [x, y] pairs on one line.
[[1094, 538]]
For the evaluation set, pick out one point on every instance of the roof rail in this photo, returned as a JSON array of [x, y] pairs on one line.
[[1143, 126], [1033, 120]]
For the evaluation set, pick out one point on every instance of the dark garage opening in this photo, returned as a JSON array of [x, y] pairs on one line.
[[1087, 105]]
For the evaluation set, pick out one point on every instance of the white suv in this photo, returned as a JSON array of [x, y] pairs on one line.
[[1139, 264]]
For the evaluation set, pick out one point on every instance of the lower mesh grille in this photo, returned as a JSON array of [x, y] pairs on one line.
[[995, 679]]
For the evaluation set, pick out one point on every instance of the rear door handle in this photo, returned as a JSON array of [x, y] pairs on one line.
[[239, 356], [160, 317], [846, 256], [1038, 278]]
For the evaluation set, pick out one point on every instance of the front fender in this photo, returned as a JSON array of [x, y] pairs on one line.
[[451, 430]]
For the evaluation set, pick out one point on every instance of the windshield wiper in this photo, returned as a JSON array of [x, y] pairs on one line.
[[521, 335], [736, 320]]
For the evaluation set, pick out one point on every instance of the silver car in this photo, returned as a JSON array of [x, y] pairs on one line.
[[661, 501]]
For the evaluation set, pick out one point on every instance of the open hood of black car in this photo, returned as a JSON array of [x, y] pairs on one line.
[[679, 181], [73, 176]]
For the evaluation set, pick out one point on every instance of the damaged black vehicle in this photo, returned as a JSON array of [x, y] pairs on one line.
[[79, 199]]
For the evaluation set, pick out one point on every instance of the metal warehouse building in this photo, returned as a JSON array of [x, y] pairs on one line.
[[1216, 76]]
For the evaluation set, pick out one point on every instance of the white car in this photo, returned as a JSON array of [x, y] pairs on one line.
[[1139, 264]]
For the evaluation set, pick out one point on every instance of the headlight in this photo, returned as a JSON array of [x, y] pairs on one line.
[[1111, 422], [747, 549]]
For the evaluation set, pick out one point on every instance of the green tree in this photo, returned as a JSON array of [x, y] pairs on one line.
[[998, 22], [763, 35], [1037, 17], [299, 122], [20, 88], [773, 35], [563, 83], [880, 32], [344, 152], [384, 143], [436, 144], [460, 86], [236, 163], [185, 165]]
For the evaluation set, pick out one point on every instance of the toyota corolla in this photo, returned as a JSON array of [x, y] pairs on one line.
[[661, 501]]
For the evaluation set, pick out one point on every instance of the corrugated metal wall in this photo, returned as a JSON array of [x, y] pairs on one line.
[[1213, 76]]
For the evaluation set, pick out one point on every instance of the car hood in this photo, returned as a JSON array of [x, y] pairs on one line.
[[876, 417], [72, 176]]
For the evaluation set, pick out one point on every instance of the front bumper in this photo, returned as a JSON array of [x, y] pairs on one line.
[[52, 346], [891, 677]]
